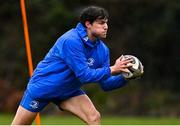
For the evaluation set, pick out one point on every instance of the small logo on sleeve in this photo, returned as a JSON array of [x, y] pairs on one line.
[[34, 104]]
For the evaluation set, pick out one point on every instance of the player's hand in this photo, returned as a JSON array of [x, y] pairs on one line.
[[121, 65], [134, 73]]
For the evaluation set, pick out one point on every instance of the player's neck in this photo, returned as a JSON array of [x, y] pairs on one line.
[[91, 37]]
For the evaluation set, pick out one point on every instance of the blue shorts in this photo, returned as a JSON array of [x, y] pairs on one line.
[[36, 105]]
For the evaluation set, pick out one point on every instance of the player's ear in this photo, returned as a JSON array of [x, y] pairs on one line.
[[87, 24]]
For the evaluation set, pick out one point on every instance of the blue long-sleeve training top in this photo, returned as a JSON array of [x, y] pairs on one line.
[[72, 62]]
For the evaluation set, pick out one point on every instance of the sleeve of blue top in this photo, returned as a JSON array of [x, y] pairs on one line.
[[112, 82], [73, 54]]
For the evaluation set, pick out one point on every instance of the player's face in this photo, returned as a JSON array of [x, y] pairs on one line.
[[99, 28]]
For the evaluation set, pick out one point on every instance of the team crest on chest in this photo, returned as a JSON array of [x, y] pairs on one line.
[[90, 62]]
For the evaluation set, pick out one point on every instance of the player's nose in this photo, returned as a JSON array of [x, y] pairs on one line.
[[105, 26]]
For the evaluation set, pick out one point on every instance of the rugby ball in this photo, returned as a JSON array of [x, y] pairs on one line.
[[136, 69]]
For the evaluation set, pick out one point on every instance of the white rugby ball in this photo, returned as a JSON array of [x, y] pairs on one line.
[[135, 68]]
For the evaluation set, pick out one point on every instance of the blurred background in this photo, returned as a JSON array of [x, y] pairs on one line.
[[147, 29]]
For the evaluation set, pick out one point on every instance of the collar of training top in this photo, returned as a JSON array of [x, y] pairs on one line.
[[83, 34]]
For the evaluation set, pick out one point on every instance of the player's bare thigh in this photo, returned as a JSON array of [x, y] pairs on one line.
[[23, 117], [82, 107]]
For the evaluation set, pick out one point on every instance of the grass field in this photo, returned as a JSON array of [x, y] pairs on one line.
[[71, 120]]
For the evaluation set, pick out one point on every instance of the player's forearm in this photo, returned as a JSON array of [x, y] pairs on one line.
[[88, 75], [113, 82]]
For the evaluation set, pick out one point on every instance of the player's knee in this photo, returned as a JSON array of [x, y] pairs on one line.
[[94, 117]]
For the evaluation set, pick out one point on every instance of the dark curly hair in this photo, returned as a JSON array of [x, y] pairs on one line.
[[93, 13]]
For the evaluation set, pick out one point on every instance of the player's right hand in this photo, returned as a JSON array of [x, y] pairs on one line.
[[121, 65]]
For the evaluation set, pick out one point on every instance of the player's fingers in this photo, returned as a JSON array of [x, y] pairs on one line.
[[121, 57], [129, 65], [141, 68], [127, 61], [142, 71], [126, 65], [125, 70]]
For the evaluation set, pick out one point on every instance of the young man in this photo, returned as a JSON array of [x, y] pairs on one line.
[[78, 57]]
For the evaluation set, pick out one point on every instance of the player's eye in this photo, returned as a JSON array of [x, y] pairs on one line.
[[102, 22]]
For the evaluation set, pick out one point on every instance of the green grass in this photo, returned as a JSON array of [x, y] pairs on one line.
[[70, 120]]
